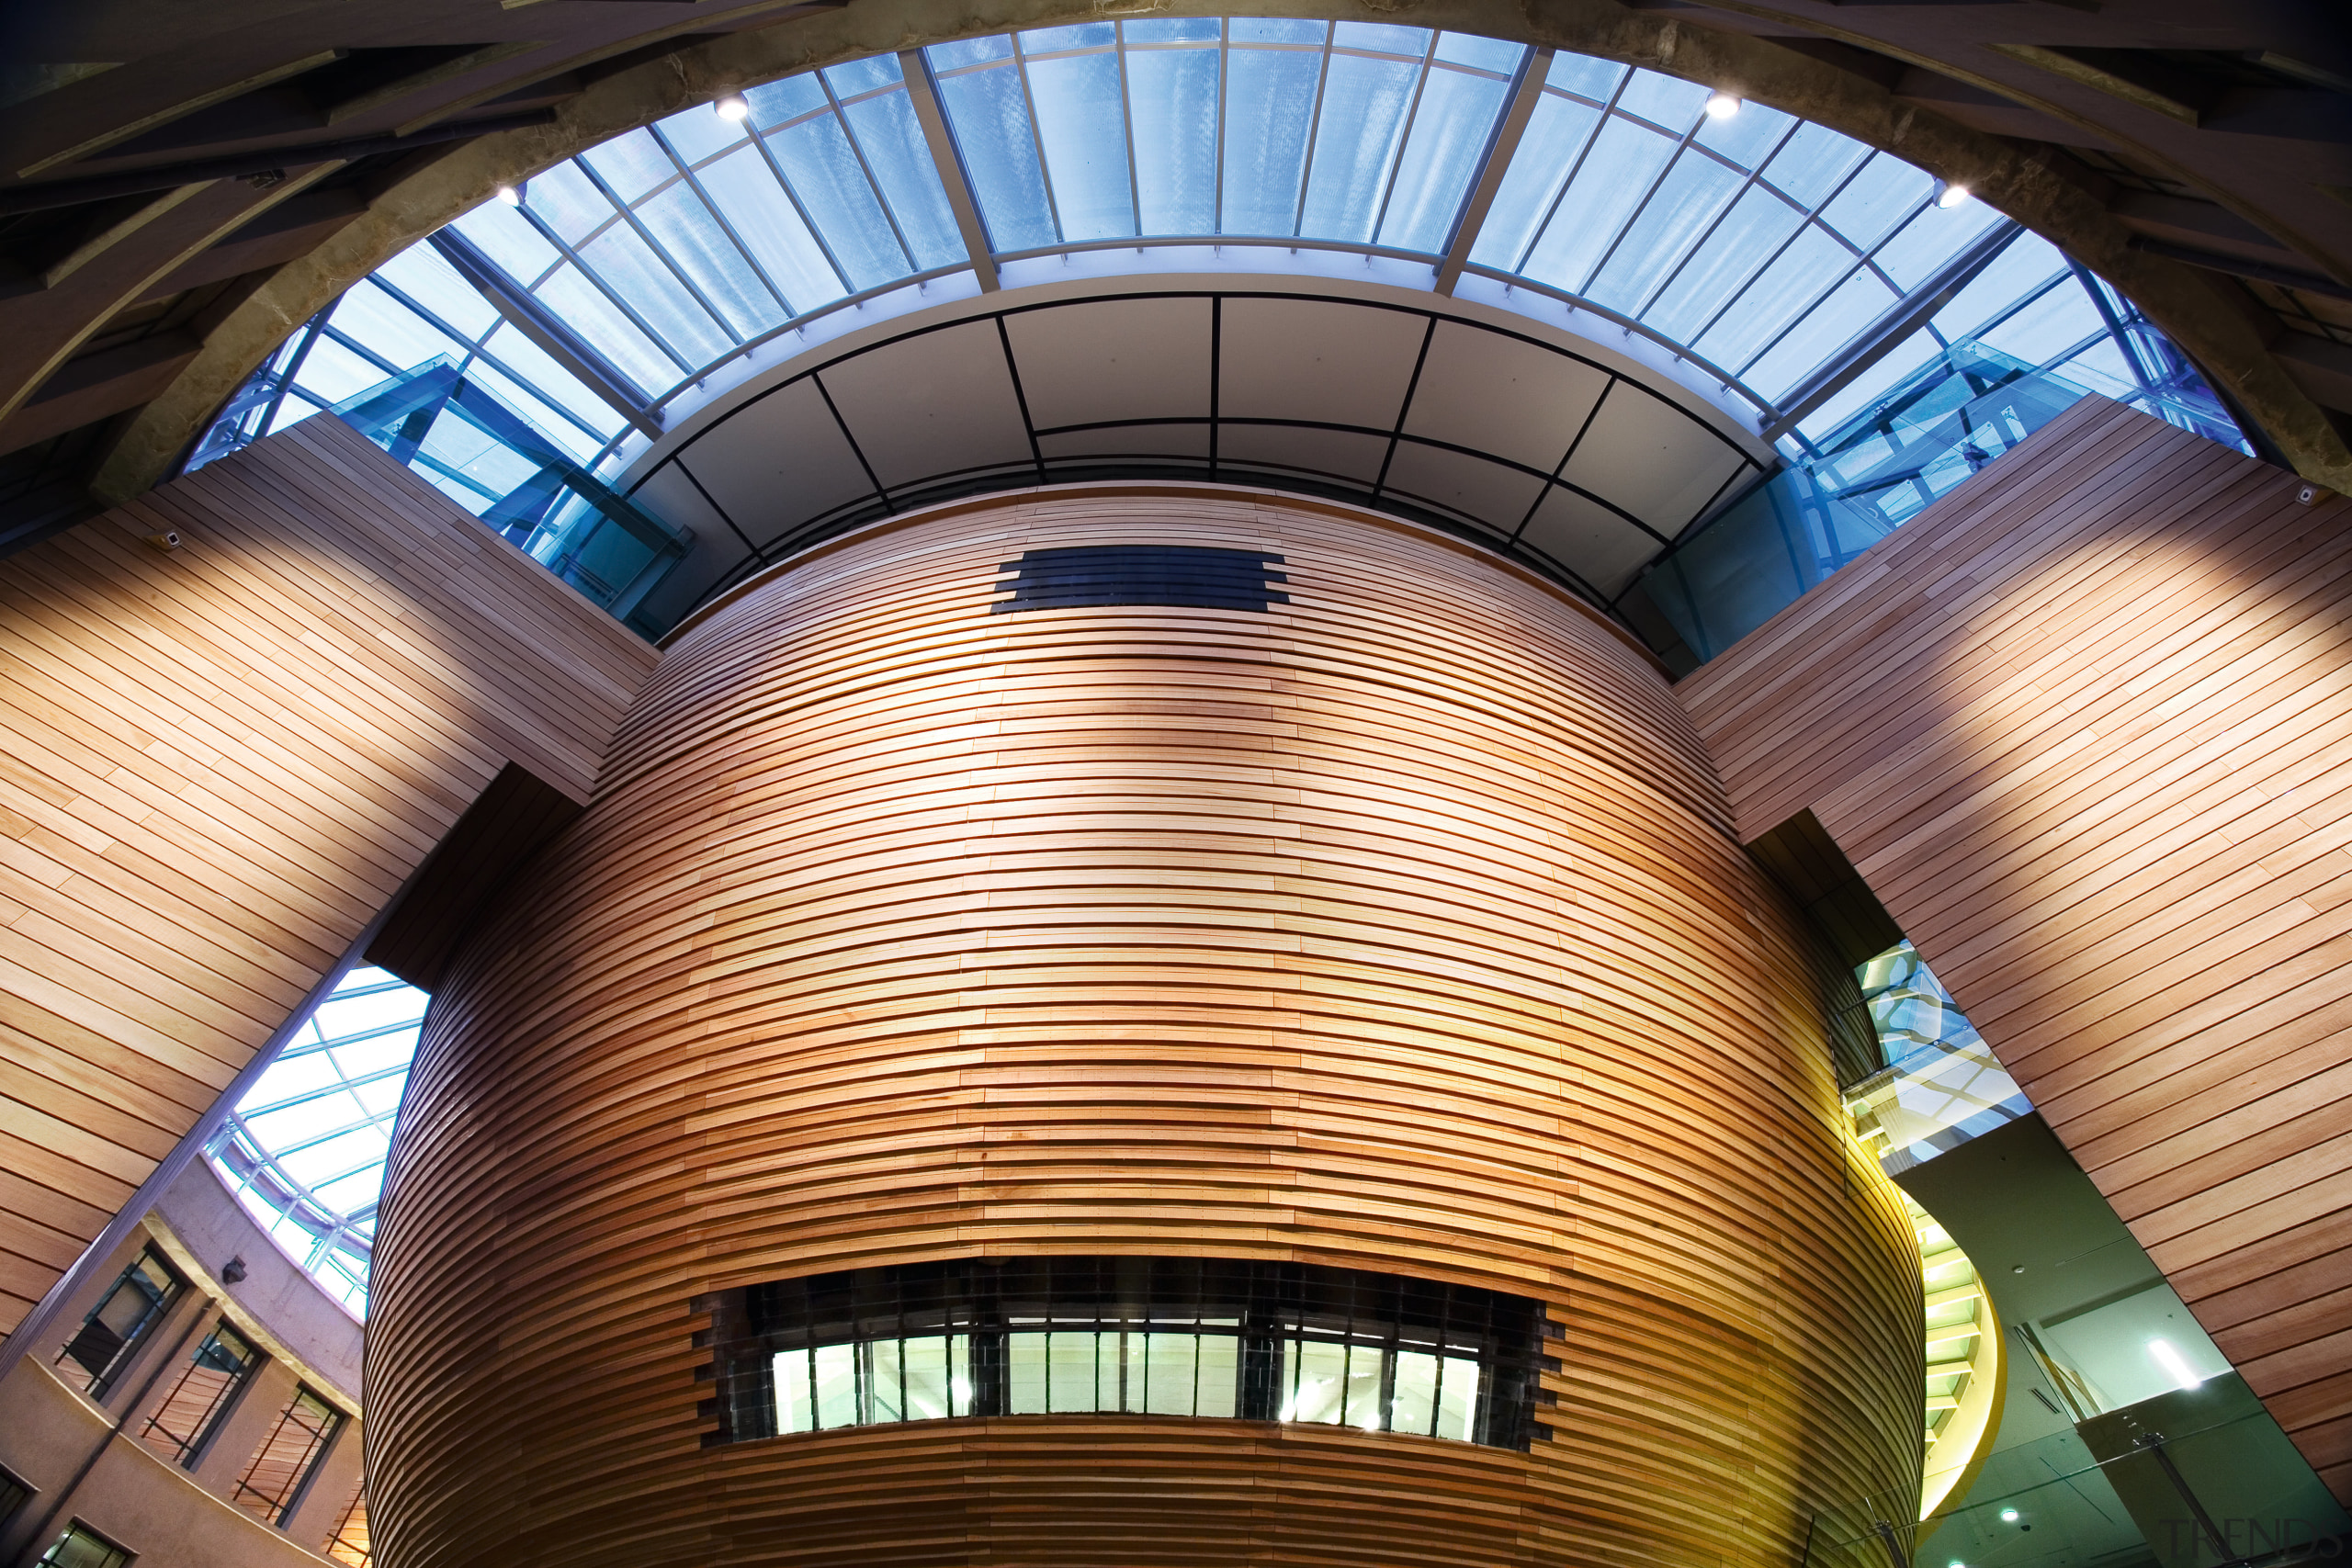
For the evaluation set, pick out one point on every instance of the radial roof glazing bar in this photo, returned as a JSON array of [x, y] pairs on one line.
[[1527, 91], [922, 91]]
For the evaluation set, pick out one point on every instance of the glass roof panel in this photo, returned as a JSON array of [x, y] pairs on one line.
[[1754, 245], [304, 1151], [1172, 93], [1082, 125]]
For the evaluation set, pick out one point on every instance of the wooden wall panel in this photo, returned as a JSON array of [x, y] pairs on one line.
[[1398, 928], [218, 764], [2085, 728]]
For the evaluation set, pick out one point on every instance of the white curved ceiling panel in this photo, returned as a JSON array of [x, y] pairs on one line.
[[938, 404], [1331, 363], [1579, 534], [1646, 455], [802, 465], [1498, 394], [1113, 359]]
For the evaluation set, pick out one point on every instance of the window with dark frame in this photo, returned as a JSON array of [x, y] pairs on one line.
[[82, 1547], [283, 1467], [13, 1494], [349, 1543], [207, 1387], [1219, 1338], [133, 1305]]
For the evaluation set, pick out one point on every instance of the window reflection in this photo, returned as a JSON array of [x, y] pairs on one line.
[[1132, 1336]]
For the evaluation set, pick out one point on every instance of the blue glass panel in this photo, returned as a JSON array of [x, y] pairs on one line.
[[1901, 361], [1625, 159], [1746, 137], [790, 98], [631, 269], [1809, 167], [386, 327], [1382, 36], [421, 273], [991, 125], [1356, 138], [969, 51], [1693, 191], [702, 132], [332, 372], [742, 188], [1085, 34], [863, 75], [1888, 191], [1085, 129], [1933, 238], [1485, 53], [1584, 75], [1759, 222], [817, 158], [1451, 128], [2025, 265], [1267, 104], [1669, 101], [1825, 329], [893, 143], [631, 165], [1274, 30], [1812, 263], [1171, 29], [564, 433], [567, 201], [683, 227], [1547, 151], [585, 311], [555, 385], [1173, 94], [2048, 327]]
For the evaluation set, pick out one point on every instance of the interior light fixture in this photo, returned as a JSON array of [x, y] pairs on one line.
[[2175, 1364], [733, 107], [1949, 196], [2008, 1516], [510, 195], [1723, 106]]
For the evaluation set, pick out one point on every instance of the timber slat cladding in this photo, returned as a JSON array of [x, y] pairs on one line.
[[1397, 927], [215, 765], [2085, 728]]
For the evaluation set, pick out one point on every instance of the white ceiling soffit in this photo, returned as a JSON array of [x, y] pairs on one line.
[[1577, 459]]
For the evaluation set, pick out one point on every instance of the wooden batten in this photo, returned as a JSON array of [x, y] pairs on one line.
[[219, 760], [1396, 926], [2085, 727]]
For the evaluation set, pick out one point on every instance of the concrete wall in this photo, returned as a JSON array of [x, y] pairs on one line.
[[83, 1456]]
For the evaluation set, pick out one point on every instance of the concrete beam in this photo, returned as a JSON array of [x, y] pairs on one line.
[[2182, 301], [96, 384]]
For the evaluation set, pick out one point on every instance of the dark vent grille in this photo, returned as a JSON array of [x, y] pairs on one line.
[[1192, 577]]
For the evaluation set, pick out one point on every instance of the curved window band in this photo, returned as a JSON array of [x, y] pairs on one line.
[[1203, 1338]]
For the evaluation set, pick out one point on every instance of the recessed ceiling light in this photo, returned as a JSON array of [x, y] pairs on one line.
[[1952, 195], [733, 106], [1723, 106], [510, 195]]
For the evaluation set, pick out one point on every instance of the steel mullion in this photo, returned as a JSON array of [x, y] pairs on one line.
[[1127, 124], [1405, 137], [325, 1091], [1224, 76], [547, 232], [376, 1121], [628, 215], [857, 149], [1314, 130], [314, 327], [694, 182], [1038, 139], [1755, 177], [1576, 165], [775, 170], [1861, 260]]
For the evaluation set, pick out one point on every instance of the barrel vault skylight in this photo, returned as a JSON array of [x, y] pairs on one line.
[[1789, 273], [1760, 249]]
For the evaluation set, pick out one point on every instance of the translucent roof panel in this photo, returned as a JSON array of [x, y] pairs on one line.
[[304, 1151], [1764, 252]]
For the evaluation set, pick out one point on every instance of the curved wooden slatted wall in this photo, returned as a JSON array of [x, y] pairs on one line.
[[1397, 927]]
